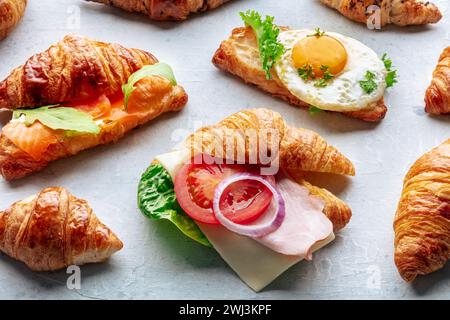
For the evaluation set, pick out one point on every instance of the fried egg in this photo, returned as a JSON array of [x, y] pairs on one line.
[[345, 61]]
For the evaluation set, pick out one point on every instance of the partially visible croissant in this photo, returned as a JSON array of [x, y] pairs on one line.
[[11, 11], [437, 98], [399, 12], [53, 230], [298, 150], [76, 67], [164, 9], [422, 222]]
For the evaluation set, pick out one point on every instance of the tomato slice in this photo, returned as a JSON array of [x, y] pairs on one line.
[[242, 202]]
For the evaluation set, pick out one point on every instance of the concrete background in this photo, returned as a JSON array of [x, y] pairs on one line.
[[158, 262]]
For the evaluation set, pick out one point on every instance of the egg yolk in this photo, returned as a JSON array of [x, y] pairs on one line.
[[319, 51]]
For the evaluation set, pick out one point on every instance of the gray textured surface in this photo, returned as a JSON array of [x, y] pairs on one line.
[[157, 261]]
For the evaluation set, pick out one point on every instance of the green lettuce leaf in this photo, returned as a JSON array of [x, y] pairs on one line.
[[157, 200], [59, 118], [157, 69]]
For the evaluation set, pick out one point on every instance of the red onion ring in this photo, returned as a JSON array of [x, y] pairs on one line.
[[250, 230]]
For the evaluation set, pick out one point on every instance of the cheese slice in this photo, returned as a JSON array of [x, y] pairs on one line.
[[254, 263]]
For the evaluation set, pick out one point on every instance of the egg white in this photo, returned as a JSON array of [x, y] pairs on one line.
[[343, 93]]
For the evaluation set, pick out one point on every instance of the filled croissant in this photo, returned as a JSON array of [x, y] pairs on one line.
[[53, 230], [97, 92], [239, 186], [437, 97], [422, 222], [163, 9], [323, 71], [11, 11], [399, 12]]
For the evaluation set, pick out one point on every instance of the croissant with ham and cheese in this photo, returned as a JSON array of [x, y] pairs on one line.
[[399, 12], [437, 97], [86, 75], [11, 12], [163, 9], [422, 222], [298, 150], [53, 230]]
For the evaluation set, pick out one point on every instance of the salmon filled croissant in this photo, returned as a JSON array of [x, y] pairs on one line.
[[422, 222], [399, 12], [53, 230], [164, 9], [11, 12], [239, 186], [437, 97], [322, 71], [78, 94]]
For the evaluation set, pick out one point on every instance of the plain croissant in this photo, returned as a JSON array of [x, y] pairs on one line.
[[437, 98], [399, 12], [163, 9], [239, 55], [298, 150], [11, 11], [78, 67], [422, 222], [53, 230]]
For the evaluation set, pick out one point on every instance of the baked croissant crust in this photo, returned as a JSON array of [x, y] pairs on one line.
[[297, 150], [75, 68], [422, 222], [239, 55], [69, 71], [164, 9], [53, 230], [437, 98], [398, 12], [11, 12]]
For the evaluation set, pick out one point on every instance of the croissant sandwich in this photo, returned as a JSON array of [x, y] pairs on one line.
[[437, 98], [11, 12], [78, 94], [422, 222], [239, 187], [164, 9], [312, 69], [399, 12], [53, 230]]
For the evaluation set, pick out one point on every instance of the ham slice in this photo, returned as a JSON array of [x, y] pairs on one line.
[[304, 223]]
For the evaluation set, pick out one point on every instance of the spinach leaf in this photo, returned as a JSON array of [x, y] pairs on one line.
[[157, 200]]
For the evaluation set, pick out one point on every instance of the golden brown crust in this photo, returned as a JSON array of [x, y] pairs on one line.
[[399, 12], [158, 92], [76, 67], [53, 230], [239, 55], [299, 150], [437, 97], [164, 9], [11, 12], [422, 222]]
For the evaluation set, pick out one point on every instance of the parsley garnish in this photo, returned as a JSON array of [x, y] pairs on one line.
[[318, 33], [369, 85], [306, 72], [270, 50], [314, 110], [391, 77], [327, 76]]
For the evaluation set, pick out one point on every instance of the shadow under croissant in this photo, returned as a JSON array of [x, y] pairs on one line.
[[423, 284]]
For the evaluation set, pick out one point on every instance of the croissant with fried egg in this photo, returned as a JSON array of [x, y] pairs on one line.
[[86, 75], [422, 222], [398, 12], [437, 98], [11, 12]]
